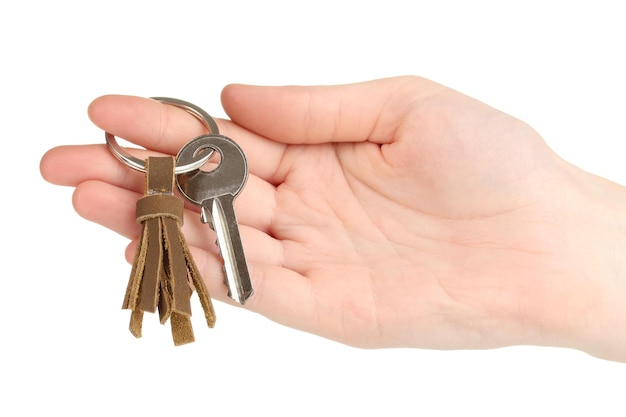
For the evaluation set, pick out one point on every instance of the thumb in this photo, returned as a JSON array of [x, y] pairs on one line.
[[366, 111]]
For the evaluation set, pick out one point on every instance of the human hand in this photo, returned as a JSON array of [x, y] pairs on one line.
[[391, 213]]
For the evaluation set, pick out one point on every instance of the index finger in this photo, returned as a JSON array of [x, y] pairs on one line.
[[165, 128], [145, 122]]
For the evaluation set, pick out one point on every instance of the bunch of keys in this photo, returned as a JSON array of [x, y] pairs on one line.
[[164, 274]]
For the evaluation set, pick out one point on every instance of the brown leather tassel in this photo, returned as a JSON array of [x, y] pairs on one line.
[[164, 274]]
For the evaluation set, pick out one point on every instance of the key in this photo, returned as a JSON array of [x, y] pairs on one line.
[[215, 191]]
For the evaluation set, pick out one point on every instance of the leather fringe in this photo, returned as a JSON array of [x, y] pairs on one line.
[[164, 274]]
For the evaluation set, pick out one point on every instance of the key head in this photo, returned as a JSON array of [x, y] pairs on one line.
[[228, 178]]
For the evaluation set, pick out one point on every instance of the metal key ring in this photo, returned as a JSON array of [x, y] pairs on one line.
[[140, 165]]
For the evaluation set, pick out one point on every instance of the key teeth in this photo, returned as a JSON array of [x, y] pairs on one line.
[[243, 297], [225, 279], [246, 296]]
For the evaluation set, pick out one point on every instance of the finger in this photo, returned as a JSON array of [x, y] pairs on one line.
[[99, 199], [209, 264], [146, 122], [260, 256], [280, 294], [283, 296], [254, 207], [367, 111], [71, 165], [107, 205], [259, 249], [114, 208], [165, 128]]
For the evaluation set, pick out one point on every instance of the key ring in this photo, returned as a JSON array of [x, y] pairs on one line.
[[140, 165]]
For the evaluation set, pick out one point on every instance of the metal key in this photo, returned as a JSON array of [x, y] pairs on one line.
[[215, 191]]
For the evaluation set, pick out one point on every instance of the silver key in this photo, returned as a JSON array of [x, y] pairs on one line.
[[215, 191]]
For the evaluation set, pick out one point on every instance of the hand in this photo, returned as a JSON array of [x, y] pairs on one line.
[[391, 213]]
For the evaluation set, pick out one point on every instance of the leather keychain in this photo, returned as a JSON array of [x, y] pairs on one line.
[[163, 264], [164, 274]]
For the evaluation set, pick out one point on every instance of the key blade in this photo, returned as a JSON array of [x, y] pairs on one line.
[[223, 220]]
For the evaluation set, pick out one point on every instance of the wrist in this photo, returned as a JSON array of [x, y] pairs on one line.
[[584, 305]]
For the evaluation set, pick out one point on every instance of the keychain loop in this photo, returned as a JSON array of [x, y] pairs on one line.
[[140, 165]]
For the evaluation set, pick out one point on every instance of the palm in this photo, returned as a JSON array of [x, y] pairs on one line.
[[408, 225]]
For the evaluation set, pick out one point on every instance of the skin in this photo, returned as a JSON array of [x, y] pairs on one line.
[[390, 213]]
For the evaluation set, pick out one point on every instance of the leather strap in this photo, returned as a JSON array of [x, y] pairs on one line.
[[164, 274]]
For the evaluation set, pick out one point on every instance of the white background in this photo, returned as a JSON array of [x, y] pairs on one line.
[[64, 344]]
